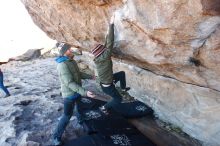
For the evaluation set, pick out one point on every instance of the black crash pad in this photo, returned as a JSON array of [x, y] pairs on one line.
[[96, 114], [91, 115], [88, 109], [122, 139], [119, 138], [135, 109], [82, 141], [86, 103], [106, 125]]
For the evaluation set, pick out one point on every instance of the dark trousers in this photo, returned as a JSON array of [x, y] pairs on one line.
[[69, 105], [112, 91], [2, 85], [116, 97], [120, 76]]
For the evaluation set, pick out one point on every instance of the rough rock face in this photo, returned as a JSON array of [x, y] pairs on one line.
[[175, 42], [193, 108]]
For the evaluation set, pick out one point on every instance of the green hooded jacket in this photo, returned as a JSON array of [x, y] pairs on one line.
[[70, 78], [104, 62]]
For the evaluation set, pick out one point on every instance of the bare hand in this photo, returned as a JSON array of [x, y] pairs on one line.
[[90, 94], [112, 18]]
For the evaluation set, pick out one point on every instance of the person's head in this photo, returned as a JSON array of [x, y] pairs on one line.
[[65, 50], [98, 50]]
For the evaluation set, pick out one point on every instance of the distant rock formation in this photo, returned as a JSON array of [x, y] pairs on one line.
[[29, 55], [2, 63]]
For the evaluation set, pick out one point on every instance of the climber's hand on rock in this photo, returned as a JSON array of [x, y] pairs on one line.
[[112, 18]]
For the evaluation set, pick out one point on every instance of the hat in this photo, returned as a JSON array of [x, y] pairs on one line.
[[98, 50], [63, 47]]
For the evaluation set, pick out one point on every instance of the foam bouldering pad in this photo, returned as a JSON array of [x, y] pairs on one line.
[[88, 109], [135, 109], [95, 114], [86, 103], [122, 137], [82, 141], [119, 138], [106, 125], [91, 114]]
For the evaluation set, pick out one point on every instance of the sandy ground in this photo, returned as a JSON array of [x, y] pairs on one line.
[[31, 113]]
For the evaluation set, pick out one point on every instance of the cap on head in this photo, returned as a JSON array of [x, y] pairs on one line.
[[98, 50], [63, 47]]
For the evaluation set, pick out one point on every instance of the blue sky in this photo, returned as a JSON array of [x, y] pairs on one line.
[[18, 33]]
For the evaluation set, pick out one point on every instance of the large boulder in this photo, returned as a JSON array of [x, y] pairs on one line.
[[177, 40]]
